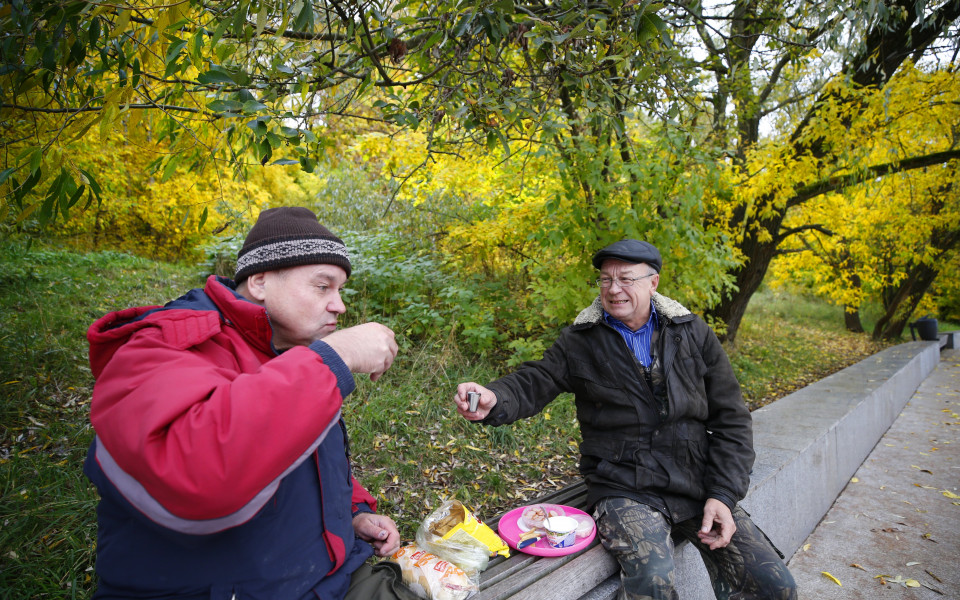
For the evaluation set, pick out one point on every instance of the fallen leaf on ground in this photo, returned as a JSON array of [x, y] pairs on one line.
[[831, 578], [905, 582], [856, 566], [949, 494]]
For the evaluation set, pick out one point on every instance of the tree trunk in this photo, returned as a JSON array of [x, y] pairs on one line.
[[748, 278], [851, 319], [851, 314], [905, 301]]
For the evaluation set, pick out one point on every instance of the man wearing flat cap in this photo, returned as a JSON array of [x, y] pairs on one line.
[[220, 453], [667, 439]]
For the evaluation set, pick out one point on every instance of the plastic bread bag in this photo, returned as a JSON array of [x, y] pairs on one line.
[[453, 533], [432, 578]]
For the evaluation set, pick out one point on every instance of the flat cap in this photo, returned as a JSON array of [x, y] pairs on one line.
[[631, 251]]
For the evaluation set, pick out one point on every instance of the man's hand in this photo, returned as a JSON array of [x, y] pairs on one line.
[[718, 526], [487, 401], [379, 530], [367, 348]]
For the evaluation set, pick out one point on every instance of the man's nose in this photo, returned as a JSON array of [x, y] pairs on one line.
[[336, 305]]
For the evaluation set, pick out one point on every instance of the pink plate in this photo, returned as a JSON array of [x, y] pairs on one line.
[[510, 531]]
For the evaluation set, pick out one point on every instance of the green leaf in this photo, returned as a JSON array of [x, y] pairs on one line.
[[307, 164], [92, 182], [285, 161], [218, 32], [6, 173], [74, 198], [46, 210], [262, 17], [170, 168], [36, 159], [224, 106], [304, 20], [258, 126], [240, 18], [265, 150], [176, 46], [433, 39], [203, 219], [214, 76], [252, 106]]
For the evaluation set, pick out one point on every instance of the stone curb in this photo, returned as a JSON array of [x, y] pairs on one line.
[[810, 443]]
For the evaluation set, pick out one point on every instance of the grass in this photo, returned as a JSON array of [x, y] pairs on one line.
[[410, 448], [47, 300], [788, 341]]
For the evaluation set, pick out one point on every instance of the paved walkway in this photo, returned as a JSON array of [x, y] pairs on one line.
[[894, 532]]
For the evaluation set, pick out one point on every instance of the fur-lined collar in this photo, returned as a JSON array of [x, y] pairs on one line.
[[666, 307]]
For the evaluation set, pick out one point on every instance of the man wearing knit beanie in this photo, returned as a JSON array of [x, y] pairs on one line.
[[220, 452]]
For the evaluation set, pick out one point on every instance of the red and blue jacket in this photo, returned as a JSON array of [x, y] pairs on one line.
[[222, 466]]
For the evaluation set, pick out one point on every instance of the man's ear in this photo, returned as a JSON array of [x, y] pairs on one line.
[[654, 282], [256, 288]]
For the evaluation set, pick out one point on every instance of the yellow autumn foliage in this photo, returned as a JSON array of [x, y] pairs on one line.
[[160, 214], [873, 234]]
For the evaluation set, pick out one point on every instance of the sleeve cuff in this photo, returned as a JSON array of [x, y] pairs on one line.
[[330, 358], [723, 496], [361, 507]]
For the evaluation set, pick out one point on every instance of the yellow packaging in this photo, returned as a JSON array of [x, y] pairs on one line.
[[453, 533], [469, 525]]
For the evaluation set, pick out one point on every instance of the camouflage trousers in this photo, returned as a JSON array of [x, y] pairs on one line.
[[642, 540]]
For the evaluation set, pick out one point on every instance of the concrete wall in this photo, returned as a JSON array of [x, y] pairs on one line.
[[810, 443]]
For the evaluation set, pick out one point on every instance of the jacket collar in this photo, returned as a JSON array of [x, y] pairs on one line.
[[249, 318], [667, 308]]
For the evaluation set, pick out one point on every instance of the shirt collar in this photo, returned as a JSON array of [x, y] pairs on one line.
[[620, 324]]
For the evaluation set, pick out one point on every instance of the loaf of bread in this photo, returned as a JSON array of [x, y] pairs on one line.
[[431, 577]]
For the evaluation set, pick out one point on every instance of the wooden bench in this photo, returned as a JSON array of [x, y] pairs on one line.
[[590, 574]]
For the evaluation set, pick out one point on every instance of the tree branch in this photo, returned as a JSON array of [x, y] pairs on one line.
[[834, 184], [795, 230], [99, 108]]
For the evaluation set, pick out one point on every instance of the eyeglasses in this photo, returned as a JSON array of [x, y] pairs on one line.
[[624, 282]]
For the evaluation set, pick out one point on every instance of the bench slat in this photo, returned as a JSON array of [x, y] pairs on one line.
[[521, 579], [581, 575], [607, 590]]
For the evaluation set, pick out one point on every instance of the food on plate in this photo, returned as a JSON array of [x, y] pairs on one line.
[[534, 515], [561, 531], [584, 526]]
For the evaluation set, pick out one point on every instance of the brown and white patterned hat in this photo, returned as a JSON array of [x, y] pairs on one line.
[[286, 237]]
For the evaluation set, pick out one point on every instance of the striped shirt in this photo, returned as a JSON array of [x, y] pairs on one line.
[[639, 340]]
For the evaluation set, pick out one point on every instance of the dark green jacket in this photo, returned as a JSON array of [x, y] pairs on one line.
[[702, 448]]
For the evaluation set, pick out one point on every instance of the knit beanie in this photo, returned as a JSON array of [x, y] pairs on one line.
[[287, 237]]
